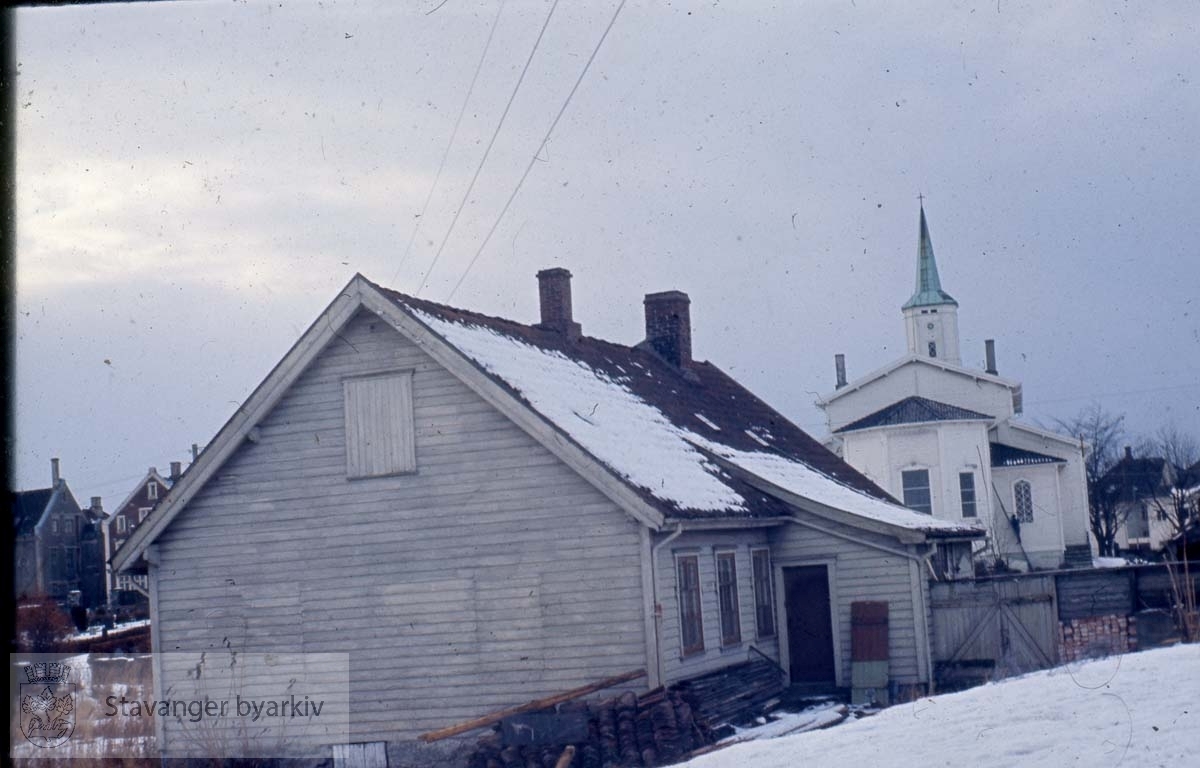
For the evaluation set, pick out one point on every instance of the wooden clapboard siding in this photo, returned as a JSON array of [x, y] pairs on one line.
[[704, 545], [859, 572], [490, 576]]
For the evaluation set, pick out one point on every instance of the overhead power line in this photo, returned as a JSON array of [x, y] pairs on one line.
[[488, 149], [533, 159], [453, 135]]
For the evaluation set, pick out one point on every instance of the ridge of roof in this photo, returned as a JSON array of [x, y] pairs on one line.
[[914, 410]]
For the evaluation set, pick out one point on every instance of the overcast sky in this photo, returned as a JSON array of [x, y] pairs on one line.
[[196, 180]]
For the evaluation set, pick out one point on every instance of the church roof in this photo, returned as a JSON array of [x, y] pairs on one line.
[[929, 291], [1011, 456], [913, 410]]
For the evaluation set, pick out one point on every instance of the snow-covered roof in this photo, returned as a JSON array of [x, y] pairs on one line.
[[668, 433], [798, 478]]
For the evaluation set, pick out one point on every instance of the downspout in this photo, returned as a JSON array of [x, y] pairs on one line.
[[655, 607]]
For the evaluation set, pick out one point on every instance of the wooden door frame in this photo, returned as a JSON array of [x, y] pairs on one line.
[[781, 623]]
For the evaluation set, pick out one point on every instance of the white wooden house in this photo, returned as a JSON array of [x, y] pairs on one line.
[[483, 512], [947, 439]]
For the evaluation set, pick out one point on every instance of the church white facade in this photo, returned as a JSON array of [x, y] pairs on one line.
[[944, 439]]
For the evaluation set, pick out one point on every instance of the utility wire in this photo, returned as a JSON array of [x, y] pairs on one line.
[[488, 150], [453, 135], [533, 159]]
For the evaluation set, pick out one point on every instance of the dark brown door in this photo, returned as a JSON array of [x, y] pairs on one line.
[[810, 632]]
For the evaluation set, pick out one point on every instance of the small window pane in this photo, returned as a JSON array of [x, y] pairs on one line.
[[764, 596], [691, 625], [966, 489], [916, 490], [731, 621]]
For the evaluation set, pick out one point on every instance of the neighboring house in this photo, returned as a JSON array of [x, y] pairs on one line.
[[1143, 489], [130, 590], [58, 546], [484, 512], [945, 440]]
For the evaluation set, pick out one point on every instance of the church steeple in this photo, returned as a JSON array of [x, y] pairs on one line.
[[931, 315], [929, 287]]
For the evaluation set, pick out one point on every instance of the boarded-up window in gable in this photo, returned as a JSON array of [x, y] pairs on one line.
[[727, 599], [379, 425], [764, 596], [691, 623]]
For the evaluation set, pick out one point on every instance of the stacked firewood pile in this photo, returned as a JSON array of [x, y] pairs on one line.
[[658, 728], [735, 694], [624, 731]]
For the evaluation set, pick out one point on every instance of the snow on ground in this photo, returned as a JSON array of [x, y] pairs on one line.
[[1109, 562], [1142, 709], [94, 632]]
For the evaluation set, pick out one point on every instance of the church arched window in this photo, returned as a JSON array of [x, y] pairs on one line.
[[1023, 501]]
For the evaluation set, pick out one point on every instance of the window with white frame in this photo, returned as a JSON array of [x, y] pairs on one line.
[[727, 599], [380, 434], [915, 483], [124, 583], [1023, 501], [152, 490], [121, 523], [966, 493], [143, 513], [764, 595], [691, 621]]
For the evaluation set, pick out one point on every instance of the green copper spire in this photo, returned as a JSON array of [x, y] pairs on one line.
[[929, 287]]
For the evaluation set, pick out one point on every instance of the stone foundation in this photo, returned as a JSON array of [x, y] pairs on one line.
[[1096, 636]]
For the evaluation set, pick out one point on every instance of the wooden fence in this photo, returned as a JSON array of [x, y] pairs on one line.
[[1001, 626]]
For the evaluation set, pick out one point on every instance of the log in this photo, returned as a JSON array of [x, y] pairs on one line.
[[564, 760], [549, 701]]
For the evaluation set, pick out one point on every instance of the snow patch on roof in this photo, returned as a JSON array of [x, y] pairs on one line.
[[628, 434], [802, 480]]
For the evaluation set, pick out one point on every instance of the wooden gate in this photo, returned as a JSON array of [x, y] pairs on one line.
[[993, 629]]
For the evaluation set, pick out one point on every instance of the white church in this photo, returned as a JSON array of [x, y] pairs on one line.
[[945, 440]]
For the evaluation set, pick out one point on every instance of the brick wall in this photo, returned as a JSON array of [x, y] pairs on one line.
[[1096, 636]]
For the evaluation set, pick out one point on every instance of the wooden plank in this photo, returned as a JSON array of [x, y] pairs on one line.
[[869, 630], [549, 701]]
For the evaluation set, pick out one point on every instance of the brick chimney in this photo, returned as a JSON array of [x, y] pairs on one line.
[[176, 470], [97, 506], [669, 326], [55, 477], [839, 367], [554, 294], [989, 354]]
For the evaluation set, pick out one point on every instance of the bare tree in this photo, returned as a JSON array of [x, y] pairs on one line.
[[1099, 433]]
